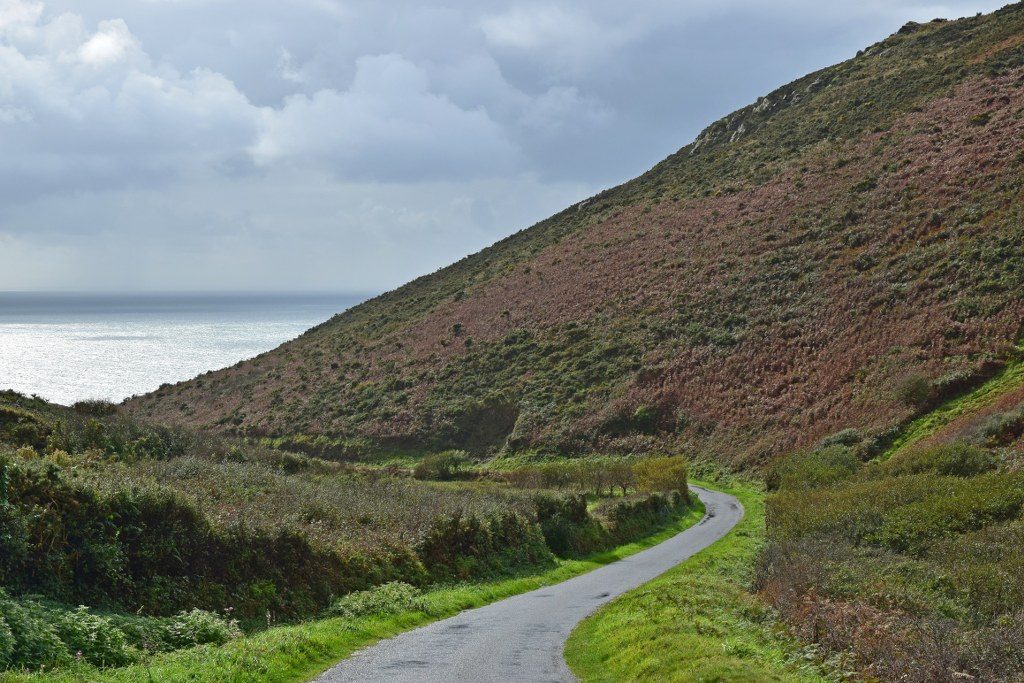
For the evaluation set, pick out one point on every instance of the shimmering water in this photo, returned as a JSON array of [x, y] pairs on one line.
[[70, 347]]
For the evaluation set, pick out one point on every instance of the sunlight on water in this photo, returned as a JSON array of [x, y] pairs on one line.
[[66, 348]]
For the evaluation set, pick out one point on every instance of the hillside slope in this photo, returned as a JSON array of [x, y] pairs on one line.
[[909, 566], [766, 285]]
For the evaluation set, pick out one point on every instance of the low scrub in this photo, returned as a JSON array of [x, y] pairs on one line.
[[391, 598], [909, 569]]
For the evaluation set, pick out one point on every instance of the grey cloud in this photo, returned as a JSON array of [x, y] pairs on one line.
[[358, 143]]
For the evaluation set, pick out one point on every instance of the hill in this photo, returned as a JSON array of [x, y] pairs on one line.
[[842, 251]]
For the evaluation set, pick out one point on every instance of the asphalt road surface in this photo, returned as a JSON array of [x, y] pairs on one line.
[[521, 638]]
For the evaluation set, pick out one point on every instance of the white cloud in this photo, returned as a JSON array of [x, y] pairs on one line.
[[570, 38], [109, 44], [388, 125]]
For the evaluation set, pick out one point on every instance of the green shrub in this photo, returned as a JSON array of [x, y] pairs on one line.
[[1000, 429], [814, 469], [953, 460], [847, 437], [568, 528], [391, 598], [35, 640], [632, 519], [199, 627], [964, 505], [98, 640], [6, 644], [23, 428], [461, 547], [915, 391], [661, 475], [440, 466]]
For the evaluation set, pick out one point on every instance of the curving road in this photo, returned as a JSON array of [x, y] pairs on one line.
[[521, 638]]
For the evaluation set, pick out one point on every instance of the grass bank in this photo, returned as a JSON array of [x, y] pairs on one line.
[[298, 652], [1009, 378], [696, 622]]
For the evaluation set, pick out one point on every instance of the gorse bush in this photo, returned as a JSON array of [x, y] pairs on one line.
[[568, 527], [662, 475], [391, 598], [23, 428]]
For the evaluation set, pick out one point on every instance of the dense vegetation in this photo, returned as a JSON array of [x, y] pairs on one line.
[[910, 565], [175, 539], [776, 280]]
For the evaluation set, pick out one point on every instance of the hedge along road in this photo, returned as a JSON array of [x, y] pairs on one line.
[[521, 638]]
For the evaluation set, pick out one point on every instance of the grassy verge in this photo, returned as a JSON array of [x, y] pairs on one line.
[[299, 652], [696, 622], [1011, 377]]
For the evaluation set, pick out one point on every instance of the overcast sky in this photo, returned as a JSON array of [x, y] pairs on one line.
[[351, 144]]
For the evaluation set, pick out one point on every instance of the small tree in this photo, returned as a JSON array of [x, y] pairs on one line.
[[662, 475], [622, 475]]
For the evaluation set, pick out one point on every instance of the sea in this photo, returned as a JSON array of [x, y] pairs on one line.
[[68, 347]]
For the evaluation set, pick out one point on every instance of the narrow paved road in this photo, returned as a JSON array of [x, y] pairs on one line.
[[521, 638]]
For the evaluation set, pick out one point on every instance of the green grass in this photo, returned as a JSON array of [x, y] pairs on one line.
[[696, 622], [298, 652], [1011, 377]]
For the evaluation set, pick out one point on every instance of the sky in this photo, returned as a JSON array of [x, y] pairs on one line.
[[356, 144]]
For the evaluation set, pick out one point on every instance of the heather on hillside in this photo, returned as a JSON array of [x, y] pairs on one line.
[[778, 279]]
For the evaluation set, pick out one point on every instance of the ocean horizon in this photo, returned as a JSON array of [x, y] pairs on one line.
[[74, 346]]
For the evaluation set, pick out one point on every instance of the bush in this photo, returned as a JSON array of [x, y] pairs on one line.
[[568, 528], [391, 598], [199, 627], [95, 637], [953, 460], [440, 466], [35, 642], [632, 519], [847, 437], [662, 475], [965, 505], [813, 469], [915, 391], [22, 428], [1000, 429], [6, 644], [462, 547]]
